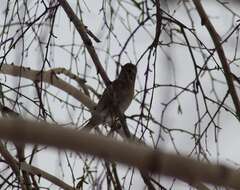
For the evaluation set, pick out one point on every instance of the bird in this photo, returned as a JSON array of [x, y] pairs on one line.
[[116, 98], [118, 94]]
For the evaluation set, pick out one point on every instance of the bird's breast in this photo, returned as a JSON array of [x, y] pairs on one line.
[[125, 98]]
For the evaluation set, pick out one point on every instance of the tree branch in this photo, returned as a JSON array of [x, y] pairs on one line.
[[145, 158], [221, 54], [36, 171], [48, 77], [86, 40], [13, 164]]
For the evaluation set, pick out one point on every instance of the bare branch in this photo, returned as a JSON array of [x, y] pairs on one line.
[[221, 54], [48, 77], [86, 40], [13, 164], [36, 171], [136, 155]]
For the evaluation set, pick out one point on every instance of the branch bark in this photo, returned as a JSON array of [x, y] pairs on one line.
[[142, 157], [48, 77]]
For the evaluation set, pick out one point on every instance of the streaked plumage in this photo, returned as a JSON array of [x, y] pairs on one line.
[[120, 93]]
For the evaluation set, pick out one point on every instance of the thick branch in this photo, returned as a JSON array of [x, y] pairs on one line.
[[139, 156], [48, 77], [217, 42]]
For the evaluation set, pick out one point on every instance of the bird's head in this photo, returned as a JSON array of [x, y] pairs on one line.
[[128, 72]]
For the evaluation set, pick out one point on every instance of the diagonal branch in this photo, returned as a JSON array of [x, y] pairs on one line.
[[48, 77], [36, 171], [86, 40], [221, 54]]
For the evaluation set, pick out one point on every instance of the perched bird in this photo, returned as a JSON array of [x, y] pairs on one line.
[[118, 94], [116, 97]]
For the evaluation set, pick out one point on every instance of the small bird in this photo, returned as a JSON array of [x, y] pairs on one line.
[[118, 94]]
